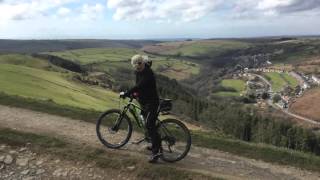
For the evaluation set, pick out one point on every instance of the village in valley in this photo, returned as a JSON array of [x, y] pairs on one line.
[[257, 71]]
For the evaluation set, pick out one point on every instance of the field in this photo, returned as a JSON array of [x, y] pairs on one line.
[[310, 66], [53, 86], [308, 105], [296, 51], [96, 55], [280, 80], [26, 60], [176, 69], [238, 85], [111, 59], [203, 48]]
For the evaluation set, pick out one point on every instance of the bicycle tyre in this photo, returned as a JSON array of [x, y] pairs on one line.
[[103, 119], [186, 134]]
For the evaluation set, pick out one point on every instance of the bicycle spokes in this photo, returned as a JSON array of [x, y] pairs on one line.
[[114, 129], [175, 140]]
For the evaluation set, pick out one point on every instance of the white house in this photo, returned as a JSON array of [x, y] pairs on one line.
[[315, 79], [306, 85]]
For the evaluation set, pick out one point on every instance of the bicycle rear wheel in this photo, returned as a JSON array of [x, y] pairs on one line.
[[175, 140], [114, 130]]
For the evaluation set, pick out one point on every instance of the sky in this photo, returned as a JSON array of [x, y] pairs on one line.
[[157, 19]]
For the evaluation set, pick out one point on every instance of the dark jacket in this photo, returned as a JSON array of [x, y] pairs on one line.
[[146, 87]]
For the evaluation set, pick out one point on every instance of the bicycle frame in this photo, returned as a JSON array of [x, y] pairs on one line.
[[133, 109]]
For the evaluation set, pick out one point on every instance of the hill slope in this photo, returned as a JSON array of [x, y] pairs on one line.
[[52, 86]]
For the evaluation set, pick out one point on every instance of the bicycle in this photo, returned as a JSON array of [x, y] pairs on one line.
[[114, 130]]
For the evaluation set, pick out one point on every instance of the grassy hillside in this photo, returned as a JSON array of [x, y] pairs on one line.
[[176, 69], [203, 48], [280, 80], [96, 55], [111, 59], [29, 61], [36, 46], [296, 51], [53, 86]]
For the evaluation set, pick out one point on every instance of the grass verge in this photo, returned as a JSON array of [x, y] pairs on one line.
[[259, 151]]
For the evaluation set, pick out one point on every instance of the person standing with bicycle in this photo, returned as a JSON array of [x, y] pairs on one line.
[[148, 99]]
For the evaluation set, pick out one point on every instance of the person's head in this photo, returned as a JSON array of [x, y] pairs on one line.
[[147, 61], [137, 61]]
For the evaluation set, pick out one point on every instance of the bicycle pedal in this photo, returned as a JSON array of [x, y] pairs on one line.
[[139, 141]]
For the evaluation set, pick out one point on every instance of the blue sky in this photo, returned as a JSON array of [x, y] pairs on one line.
[[153, 19]]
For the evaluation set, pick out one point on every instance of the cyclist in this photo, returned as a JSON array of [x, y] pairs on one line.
[[148, 99]]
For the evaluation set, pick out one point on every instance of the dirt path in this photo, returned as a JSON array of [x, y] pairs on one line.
[[207, 161]]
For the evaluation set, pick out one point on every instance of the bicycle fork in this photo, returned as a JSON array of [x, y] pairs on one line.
[[116, 126]]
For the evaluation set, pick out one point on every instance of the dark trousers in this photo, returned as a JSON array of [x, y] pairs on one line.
[[150, 114]]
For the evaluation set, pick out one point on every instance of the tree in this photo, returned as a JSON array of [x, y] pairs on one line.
[[276, 98], [297, 89], [265, 95]]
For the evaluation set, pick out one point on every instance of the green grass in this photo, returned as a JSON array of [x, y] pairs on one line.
[[226, 94], [207, 48], [259, 151], [236, 84], [53, 86], [110, 59], [50, 107], [176, 69], [96, 55], [29, 61], [280, 80], [292, 82]]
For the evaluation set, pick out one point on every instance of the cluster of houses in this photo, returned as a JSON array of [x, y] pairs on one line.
[[259, 87], [261, 63], [267, 70], [306, 81]]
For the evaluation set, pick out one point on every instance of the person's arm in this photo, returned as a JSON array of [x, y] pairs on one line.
[[142, 84]]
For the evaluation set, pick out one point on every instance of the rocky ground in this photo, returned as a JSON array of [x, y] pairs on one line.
[[22, 163]]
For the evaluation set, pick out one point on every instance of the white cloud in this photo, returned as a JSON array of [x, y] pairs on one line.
[[63, 11], [189, 10], [264, 8], [166, 10], [272, 4], [27, 9], [91, 11]]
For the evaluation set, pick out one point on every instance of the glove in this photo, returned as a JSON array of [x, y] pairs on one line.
[[123, 95]]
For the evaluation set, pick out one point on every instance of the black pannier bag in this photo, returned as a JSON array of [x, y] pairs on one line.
[[165, 105]]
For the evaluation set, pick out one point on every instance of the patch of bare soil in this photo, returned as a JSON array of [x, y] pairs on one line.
[[202, 160], [158, 49], [308, 105]]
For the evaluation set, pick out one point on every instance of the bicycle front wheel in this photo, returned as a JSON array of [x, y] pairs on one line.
[[175, 140], [113, 129]]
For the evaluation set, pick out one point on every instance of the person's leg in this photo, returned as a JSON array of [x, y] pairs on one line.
[[144, 113], [152, 131]]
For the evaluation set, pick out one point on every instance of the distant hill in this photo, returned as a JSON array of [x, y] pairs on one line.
[[35, 46]]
